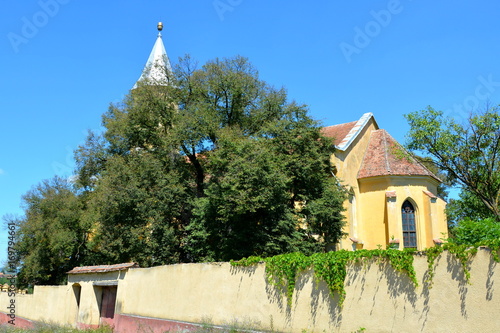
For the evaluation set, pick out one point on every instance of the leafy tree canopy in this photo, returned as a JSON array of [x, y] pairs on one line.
[[215, 165], [51, 237], [466, 207], [476, 232], [468, 153]]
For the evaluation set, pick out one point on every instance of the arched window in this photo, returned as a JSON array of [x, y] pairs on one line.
[[409, 225]]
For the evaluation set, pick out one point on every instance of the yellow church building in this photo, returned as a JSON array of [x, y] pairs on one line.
[[392, 197]]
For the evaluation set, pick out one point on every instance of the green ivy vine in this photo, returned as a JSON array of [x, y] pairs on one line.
[[494, 246], [462, 252], [331, 267], [432, 254]]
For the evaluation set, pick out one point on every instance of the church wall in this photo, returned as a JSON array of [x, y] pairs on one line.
[[347, 164], [373, 214], [440, 224], [177, 297], [381, 200], [52, 304], [377, 298]]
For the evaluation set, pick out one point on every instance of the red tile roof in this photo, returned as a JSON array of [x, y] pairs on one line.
[[385, 156], [338, 132], [103, 268]]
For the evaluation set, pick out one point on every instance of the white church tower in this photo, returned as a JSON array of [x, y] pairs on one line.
[[158, 69]]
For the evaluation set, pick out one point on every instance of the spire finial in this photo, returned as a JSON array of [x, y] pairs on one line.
[[160, 26]]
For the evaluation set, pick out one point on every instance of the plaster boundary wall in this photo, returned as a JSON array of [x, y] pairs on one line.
[[182, 296]]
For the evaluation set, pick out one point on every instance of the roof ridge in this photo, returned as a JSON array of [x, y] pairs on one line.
[[386, 151], [354, 132]]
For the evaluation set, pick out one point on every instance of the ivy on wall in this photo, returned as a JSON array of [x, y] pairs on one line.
[[331, 267], [463, 253]]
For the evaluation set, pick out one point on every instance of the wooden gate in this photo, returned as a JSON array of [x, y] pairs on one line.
[[108, 304]]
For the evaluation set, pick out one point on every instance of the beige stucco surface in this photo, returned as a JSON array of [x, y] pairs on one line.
[[53, 304], [377, 298], [91, 295]]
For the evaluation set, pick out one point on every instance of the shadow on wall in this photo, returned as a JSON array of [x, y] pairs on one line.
[[98, 298], [320, 294], [457, 273], [376, 296], [490, 281]]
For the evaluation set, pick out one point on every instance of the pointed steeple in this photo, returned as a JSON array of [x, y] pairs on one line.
[[158, 64]]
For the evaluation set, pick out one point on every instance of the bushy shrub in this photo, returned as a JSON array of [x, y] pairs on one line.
[[476, 232]]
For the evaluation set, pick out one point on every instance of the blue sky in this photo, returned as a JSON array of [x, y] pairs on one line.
[[64, 61]]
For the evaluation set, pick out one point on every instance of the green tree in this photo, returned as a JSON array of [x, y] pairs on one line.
[[51, 239], [466, 207], [90, 159], [468, 153], [215, 166], [476, 232], [243, 210], [137, 210], [267, 196]]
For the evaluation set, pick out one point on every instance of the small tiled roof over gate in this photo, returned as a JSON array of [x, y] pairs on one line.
[[103, 268]]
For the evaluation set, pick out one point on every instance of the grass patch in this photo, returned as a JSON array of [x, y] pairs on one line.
[[51, 328]]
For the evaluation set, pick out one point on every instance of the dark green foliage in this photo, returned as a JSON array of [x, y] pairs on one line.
[[90, 160], [216, 166], [261, 188], [467, 207], [476, 232], [51, 237], [246, 208], [468, 153], [138, 205], [323, 214]]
